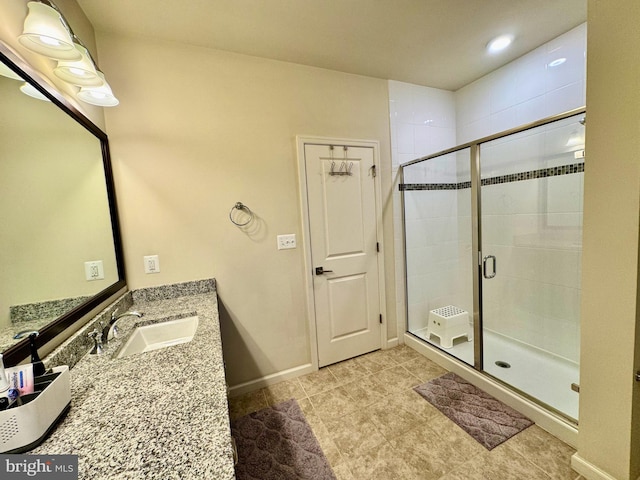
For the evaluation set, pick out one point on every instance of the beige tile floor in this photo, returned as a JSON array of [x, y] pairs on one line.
[[371, 425]]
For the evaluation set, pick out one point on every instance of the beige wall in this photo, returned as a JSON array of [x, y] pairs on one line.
[[608, 394], [198, 130]]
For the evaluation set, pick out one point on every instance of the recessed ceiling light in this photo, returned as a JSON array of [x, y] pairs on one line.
[[557, 61], [499, 43]]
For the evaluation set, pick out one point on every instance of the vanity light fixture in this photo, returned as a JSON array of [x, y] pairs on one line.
[[33, 92], [7, 72], [26, 87], [45, 32], [80, 72], [499, 43], [101, 96]]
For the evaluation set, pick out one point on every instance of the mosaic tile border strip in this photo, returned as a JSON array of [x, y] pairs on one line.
[[513, 177], [434, 186]]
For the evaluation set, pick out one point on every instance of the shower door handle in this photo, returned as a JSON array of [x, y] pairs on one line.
[[484, 266]]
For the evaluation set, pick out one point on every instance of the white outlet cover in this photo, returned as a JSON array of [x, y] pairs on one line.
[[286, 241], [94, 270], [151, 264]]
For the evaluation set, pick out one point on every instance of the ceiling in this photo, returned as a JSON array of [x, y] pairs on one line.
[[437, 43]]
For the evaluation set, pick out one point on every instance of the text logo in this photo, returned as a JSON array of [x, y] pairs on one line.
[[49, 467]]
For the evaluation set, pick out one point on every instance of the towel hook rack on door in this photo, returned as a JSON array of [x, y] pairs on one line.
[[345, 167]]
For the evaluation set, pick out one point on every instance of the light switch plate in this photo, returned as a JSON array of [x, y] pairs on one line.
[[286, 241]]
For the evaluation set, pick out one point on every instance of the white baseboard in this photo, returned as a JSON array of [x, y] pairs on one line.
[[271, 379], [588, 470], [554, 425], [278, 377]]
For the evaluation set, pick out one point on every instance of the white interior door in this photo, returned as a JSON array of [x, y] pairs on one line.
[[342, 222]]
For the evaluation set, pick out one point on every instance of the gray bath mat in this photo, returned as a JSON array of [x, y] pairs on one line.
[[277, 443], [486, 419]]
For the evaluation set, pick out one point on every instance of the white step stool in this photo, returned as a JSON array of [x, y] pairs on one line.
[[448, 323]]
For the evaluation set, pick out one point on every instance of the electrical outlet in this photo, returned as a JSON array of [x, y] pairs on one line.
[[94, 270], [286, 241], [151, 264]]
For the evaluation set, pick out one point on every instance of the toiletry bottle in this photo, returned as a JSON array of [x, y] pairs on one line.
[[38, 366]]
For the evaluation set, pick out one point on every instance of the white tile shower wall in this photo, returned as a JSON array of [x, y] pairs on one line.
[[526, 89], [466, 256], [535, 298], [422, 122], [432, 252]]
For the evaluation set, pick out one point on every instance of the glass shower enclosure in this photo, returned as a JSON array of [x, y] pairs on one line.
[[493, 244]]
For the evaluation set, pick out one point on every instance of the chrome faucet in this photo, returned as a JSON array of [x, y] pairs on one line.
[[111, 330]]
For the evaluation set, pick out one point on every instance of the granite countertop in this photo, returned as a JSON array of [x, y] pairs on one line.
[[156, 415], [8, 332], [34, 316]]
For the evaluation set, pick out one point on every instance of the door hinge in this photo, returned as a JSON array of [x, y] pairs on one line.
[[380, 318], [378, 247]]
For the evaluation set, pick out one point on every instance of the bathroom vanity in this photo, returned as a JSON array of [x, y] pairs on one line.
[[160, 414]]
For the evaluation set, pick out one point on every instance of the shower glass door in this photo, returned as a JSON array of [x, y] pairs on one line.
[[531, 245], [438, 249]]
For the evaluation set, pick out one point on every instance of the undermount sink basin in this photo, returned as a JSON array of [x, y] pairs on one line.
[[159, 335]]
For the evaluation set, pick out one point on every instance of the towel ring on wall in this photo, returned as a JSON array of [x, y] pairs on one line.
[[240, 206]]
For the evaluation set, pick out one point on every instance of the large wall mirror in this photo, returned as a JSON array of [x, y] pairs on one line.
[[60, 249]]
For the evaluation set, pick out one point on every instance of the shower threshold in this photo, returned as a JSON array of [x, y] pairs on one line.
[[538, 374]]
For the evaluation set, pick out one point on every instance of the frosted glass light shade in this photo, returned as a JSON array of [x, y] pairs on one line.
[[101, 96], [45, 33], [33, 92], [81, 72], [7, 72]]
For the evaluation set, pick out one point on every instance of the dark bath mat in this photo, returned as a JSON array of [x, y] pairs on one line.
[[486, 419], [277, 443]]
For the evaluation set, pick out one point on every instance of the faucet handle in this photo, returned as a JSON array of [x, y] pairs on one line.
[[101, 331], [97, 342]]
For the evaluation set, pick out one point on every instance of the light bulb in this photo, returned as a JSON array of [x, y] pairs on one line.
[[50, 41], [499, 43]]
